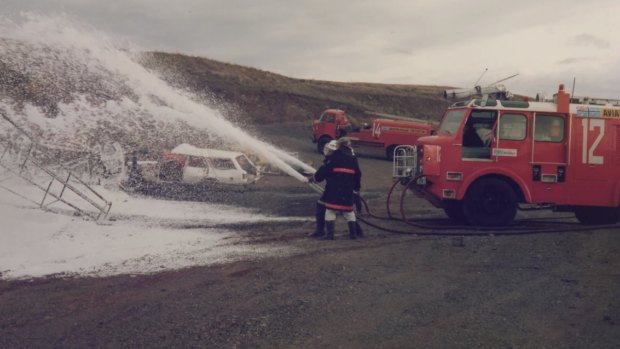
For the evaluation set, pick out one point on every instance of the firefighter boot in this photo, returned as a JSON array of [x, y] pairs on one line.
[[358, 230], [352, 230], [319, 231], [331, 226]]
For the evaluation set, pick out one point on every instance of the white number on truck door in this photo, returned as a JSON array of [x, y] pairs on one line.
[[588, 156]]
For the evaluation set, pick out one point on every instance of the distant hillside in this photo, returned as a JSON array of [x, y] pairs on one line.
[[265, 97], [81, 98]]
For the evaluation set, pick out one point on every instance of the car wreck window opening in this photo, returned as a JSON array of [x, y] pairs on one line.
[[222, 164], [246, 165], [195, 161]]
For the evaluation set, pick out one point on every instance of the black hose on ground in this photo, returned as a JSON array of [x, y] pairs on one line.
[[460, 230]]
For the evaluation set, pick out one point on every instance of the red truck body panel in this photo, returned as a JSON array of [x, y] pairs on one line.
[[562, 154], [382, 133]]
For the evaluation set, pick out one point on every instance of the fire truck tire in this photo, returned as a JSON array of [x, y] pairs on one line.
[[454, 210], [490, 202], [389, 152], [320, 144], [596, 215]]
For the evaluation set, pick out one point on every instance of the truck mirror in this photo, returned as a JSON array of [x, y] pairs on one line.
[[366, 126]]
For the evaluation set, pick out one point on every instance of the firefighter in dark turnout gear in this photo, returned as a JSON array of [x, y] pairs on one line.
[[319, 213], [343, 178]]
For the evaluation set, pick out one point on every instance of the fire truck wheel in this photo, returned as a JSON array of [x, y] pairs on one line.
[[320, 144], [454, 210], [596, 215], [490, 202], [389, 153]]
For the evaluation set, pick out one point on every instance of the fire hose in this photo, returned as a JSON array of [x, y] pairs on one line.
[[426, 229]]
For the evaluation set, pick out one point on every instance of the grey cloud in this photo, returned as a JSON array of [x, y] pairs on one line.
[[337, 40], [574, 60], [588, 40]]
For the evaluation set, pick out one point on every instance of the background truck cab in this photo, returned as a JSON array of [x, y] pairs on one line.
[[384, 134]]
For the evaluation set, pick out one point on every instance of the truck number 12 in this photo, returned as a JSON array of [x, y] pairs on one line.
[[588, 156]]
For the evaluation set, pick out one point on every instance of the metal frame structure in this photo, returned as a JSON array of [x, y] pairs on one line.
[[405, 161], [71, 182]]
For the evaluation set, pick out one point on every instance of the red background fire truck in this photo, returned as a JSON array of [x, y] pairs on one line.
[[488, 156], [384, 133]]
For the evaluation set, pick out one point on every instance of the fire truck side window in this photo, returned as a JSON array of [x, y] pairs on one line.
[[549, 128], [478, 128], [513, 127], [478, 134]]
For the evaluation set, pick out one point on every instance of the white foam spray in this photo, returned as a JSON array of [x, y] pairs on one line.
[[96, 51]]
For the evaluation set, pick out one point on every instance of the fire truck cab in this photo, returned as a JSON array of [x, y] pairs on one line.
[[488, 156]]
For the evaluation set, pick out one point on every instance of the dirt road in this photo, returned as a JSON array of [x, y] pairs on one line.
[[556, 290]]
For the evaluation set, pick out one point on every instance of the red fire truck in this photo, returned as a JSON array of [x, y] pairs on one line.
[[385, 134], [489, 156]]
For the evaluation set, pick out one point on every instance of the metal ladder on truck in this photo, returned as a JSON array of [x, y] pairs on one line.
[[56, 185]]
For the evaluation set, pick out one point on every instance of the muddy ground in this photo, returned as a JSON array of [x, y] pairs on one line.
[[387, 290]]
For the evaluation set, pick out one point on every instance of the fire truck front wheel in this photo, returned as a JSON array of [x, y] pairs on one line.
[[490, 202], [389, 152], [454, 210]]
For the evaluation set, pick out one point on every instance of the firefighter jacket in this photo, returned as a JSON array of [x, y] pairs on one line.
[[343, 176]]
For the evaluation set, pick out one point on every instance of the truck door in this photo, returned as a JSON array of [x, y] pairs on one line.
[[478, 135], [510, 145], [325, 126], [549, 157]]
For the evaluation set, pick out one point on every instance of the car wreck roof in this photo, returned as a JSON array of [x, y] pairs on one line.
[[188, 149]]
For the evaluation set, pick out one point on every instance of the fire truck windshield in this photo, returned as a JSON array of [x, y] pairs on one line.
[[451, 121]]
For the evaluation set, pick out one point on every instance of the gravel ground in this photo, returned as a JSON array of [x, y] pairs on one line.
[[554, 290]]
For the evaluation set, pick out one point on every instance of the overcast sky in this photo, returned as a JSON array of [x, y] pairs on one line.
[[433, 42]]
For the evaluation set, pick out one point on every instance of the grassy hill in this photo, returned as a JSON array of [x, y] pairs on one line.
[[253, 95], [265, 97], [98, 100]]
